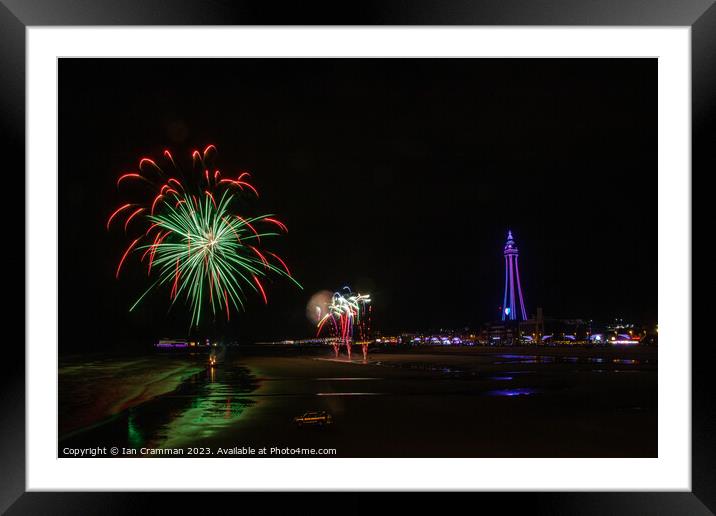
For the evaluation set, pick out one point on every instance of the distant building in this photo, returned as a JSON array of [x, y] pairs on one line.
[[538, 330], [513, 332], [167, 344]]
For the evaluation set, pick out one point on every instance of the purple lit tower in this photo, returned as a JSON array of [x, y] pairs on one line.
[[512, 283]]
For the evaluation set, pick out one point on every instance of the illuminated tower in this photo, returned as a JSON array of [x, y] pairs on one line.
[[512, 283]]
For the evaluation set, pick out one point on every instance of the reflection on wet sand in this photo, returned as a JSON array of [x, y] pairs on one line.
[[471, 403], [218, 404], [203, 405]]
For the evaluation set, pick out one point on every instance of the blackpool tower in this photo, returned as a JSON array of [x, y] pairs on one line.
[[512, 284]]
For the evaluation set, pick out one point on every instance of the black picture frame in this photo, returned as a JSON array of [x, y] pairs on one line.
[[17, 15]]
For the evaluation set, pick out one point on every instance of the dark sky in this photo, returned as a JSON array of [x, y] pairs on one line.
[[396, 176]]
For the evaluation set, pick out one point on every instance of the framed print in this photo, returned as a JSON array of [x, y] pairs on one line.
[[307, 251]]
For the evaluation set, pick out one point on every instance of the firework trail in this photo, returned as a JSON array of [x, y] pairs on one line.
[[364, 331], [345, 312], [188, 233]]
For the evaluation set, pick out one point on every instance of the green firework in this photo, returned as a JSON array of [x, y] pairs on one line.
[[195, 244]]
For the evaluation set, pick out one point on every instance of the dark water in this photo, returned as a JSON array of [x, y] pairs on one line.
[[203, 405]]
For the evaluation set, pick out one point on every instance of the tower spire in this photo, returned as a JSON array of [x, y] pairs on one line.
[[512, 283]]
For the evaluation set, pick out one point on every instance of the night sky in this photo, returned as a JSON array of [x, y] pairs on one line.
[[399, 177]]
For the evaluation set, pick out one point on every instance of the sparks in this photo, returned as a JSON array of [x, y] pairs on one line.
[[116, 212], [198, 252], [127, 176], [346, 311]]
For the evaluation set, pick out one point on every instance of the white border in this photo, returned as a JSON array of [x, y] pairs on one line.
[[671, 471]]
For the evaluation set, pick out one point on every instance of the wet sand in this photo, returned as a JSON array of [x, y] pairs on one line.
[[456, 402]]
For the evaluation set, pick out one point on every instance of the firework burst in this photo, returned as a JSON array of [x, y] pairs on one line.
[[345, 312], [193, 240]]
